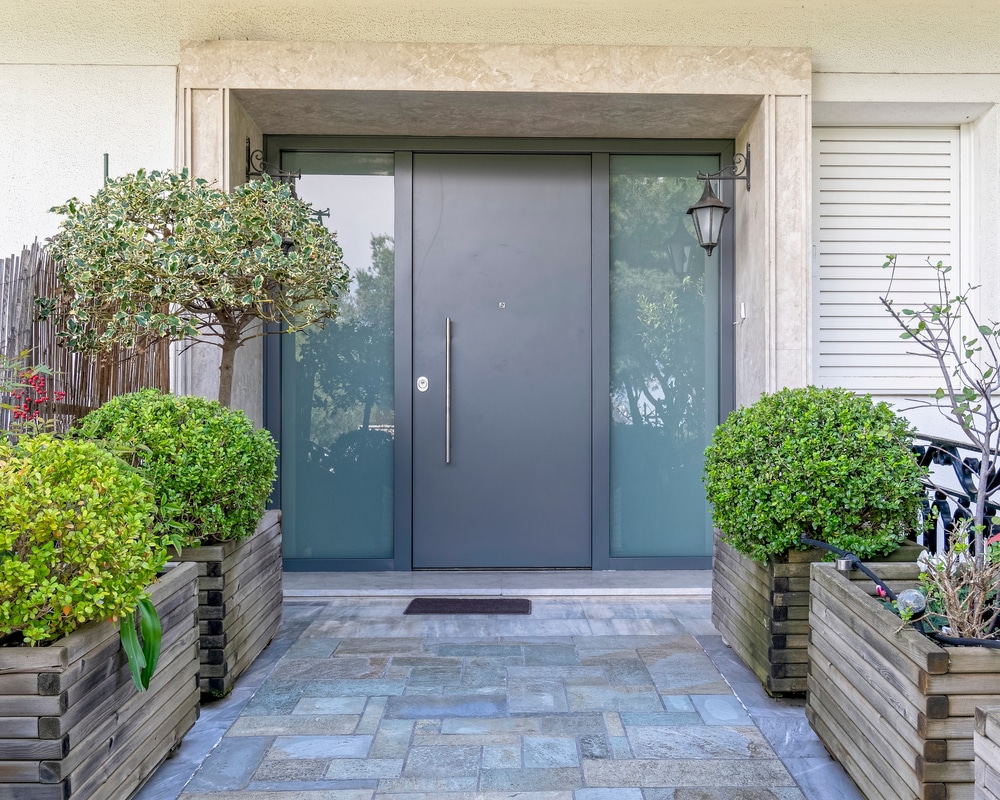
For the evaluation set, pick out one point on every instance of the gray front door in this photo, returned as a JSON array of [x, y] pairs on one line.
[[502, 249]]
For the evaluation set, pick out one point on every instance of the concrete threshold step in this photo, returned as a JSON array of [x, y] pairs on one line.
[[545, 583]]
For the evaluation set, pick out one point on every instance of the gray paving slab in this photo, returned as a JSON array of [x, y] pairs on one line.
[[231, 764], [299, 747], [667, 742], [594, 745], [721, 709], [533, 779], [331, 705], [679, 772], [536, 696], [294, 794], [392, 740], [502, 756], [445, 761], [421, 707], [298, 770], [331, 789], [606, 698], [550, 752]]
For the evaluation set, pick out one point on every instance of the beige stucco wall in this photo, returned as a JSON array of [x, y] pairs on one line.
[[57, 121], [850, 36], [81, 79]]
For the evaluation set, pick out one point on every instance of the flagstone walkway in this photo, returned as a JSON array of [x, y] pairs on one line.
[[594, 698]]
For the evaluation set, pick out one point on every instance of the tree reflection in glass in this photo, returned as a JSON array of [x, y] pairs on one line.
[[337, 386], [664, 359]]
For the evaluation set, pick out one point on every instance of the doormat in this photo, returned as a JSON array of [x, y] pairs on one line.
[[468, 605]]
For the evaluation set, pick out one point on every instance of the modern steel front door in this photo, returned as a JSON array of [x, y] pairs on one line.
[[502, 400]]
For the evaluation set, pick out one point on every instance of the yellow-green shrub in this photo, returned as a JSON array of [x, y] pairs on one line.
[[76, 538], [819, 462], [209, 468]]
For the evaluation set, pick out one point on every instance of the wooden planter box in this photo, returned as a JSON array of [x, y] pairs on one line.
[[762, 611], [986, 745], [894, 708], [72, 724], [239, 602]]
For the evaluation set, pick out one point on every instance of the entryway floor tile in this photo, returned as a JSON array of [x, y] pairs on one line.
[[616, 687]]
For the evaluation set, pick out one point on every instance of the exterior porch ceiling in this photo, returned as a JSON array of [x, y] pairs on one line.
[[837, 113], [497, 114]]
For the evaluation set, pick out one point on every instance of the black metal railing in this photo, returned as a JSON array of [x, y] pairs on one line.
[[950, 498]]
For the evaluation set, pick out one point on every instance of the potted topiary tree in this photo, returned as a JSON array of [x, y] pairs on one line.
[[157, 254], [212, 472], [816, 462], [79, 554]]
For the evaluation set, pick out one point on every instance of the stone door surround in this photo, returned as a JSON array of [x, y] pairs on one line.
[[231, 90]]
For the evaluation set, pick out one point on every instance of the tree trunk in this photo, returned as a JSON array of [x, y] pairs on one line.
[[633, 403], [230, 344]]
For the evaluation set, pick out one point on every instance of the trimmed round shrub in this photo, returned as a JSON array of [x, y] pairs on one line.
[[820, 462], [76, 537], [210, 469]]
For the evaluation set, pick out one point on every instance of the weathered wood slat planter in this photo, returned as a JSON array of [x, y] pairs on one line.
[[763, 613], [762, 610], [73, 726], [894, 708], [987, 751], [239, 601]]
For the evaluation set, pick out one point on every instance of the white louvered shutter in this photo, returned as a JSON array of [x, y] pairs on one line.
[[878, 191]]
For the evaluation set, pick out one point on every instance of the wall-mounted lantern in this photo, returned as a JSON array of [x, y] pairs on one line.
[[708, 213]]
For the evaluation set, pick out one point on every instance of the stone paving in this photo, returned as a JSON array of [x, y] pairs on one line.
[[582, 700]]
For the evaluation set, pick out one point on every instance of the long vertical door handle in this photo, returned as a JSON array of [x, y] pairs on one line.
[[447, 390]]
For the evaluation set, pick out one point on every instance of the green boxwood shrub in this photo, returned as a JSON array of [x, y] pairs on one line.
[[76, 537], [210, 468], [821, 462]]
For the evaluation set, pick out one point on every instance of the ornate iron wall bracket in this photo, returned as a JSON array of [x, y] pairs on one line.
[[258, 167], [739, 170]]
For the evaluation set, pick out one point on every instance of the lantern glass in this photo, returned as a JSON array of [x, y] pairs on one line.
[[707, 215], [679, 247]]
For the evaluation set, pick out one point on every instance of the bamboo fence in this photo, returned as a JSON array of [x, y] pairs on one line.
[[88, 380]]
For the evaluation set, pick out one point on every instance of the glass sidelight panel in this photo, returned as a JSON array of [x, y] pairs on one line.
[[664, 358], [337, 382]]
